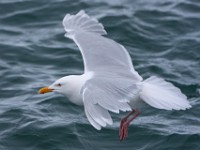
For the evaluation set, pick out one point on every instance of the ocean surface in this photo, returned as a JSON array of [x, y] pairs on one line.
[[163, 39]]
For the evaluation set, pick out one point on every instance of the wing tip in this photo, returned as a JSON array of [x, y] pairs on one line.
[[82, 22]]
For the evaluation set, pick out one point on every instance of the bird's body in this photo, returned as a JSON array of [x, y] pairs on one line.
[[110, 82]]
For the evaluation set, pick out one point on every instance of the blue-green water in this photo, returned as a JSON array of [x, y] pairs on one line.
[[163, 39]]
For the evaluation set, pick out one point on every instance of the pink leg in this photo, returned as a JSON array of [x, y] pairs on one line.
[[123, 133], [124, 120]]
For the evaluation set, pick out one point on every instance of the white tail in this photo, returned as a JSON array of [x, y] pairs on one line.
[[163, 95], [82, 22]]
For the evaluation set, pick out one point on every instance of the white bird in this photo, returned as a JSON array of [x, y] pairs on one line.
[[110, 82]]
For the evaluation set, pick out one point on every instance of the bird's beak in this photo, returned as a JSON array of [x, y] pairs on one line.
[[45, 90]]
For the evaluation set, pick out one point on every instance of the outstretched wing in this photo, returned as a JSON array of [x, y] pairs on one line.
[[99, 53], [113, 83], [107, 93]]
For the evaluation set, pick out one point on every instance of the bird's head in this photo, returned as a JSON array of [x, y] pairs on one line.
[[68, 86], [58, 86]]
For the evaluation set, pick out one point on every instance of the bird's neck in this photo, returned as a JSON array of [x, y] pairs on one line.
[[76, 84]]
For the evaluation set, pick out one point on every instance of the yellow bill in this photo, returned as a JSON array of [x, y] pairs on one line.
[[44, 90]]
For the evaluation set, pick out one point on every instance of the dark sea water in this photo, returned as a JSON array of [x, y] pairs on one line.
[[163, 39]]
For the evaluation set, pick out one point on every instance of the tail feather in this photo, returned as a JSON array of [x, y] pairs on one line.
[[82, 22], [163, 95]]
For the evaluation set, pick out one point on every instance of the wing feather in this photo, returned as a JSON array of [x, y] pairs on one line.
[[92, 121], [102, 94], [96, 114], [99, 53]]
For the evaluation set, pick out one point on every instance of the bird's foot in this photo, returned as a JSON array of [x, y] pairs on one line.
[[123, 131], [121, 125]]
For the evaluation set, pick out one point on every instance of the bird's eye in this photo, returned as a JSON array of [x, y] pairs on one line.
[[58, 84]]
